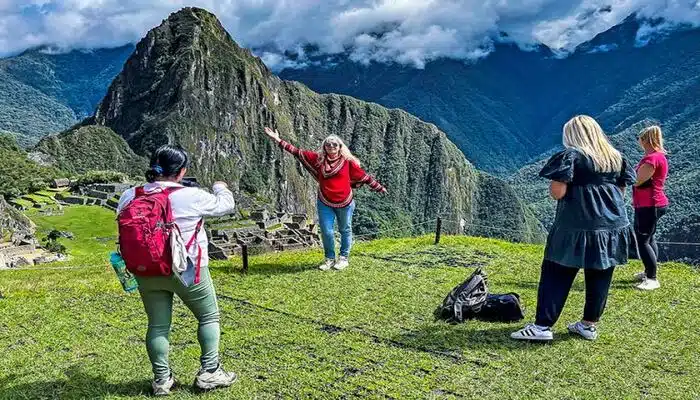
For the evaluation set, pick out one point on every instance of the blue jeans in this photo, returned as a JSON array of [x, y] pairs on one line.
[[326, 219]]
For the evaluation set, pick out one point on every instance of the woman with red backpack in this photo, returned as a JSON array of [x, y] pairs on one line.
[[171, 206]]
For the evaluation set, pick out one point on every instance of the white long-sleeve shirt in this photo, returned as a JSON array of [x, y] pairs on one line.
[[189, 205]]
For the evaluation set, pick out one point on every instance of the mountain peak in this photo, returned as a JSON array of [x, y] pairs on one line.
[[197, 27], [191, 20], [185, 63]]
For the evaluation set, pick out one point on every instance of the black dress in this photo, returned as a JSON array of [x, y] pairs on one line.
[[591, 228]]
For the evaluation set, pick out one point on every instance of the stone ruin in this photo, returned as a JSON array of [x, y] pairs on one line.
[[279, 231], [97, 194], [18, 246], [272, 232]]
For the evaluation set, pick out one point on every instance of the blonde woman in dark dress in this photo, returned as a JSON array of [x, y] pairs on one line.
[[591, 230]]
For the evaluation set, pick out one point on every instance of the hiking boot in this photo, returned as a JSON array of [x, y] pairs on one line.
[[211, 380], [342, 263], [327, 264], [161, 387], [533, 332], [640, 276], [649, 284], [588, 332]]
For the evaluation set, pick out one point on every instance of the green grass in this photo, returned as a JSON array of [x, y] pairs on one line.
[[291, 331], [39, 198], [51, 193], [21, 202], [233, 224], [94, 229]]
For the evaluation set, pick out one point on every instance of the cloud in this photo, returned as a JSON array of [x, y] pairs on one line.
[[410, 32]]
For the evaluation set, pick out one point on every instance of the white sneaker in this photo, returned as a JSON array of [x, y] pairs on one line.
[[649, 284], [212, 380], [588, 332], [640, 276], [341, 264], [327, 264], [161, 387], [533, 332]]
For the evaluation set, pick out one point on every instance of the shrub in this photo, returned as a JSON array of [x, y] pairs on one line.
[[20, 175], [51, 243], [91, 177]]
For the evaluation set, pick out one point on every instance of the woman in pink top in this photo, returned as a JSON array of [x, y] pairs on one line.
[[650, 202]]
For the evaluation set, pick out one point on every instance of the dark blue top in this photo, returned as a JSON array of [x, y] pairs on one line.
[[591, 228]]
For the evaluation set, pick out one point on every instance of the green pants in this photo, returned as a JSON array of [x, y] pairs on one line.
[[157, 295]]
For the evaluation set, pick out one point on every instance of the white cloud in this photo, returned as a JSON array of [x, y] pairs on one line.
[[410, 32]]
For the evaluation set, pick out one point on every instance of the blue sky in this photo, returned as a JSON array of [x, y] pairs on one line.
[[414, 31]]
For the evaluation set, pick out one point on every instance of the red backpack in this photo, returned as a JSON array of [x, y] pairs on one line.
[[144, 232]]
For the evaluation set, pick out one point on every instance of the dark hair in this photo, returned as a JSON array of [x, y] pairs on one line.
[[167, 162]]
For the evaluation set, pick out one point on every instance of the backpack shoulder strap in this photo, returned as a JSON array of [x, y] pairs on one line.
[[193, 239]]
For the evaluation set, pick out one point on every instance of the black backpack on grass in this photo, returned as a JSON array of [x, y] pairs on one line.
[[471, 300], [502, 308], [465, 301]]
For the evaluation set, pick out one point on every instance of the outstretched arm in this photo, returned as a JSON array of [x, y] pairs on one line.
[[359, 177], [274, 135], [308, 158], [214, 205]]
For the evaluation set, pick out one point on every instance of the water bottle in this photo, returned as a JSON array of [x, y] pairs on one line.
[[126, 278]]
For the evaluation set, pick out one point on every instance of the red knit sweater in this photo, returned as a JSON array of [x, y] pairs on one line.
[[336, 178]]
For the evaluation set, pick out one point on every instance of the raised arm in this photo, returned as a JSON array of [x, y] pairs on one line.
[[308, 158], [274, 135], [214, 205]]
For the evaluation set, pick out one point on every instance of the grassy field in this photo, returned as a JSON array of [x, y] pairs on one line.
[[291, 331]]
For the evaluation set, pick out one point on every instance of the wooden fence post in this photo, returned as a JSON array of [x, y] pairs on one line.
[[244, 254], [438, 230]]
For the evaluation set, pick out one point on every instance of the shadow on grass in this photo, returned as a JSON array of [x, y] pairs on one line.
[[579, 286], [267, 268], [77, 385], [462, 338]]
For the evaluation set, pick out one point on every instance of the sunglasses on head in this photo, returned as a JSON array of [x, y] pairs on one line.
[[332, 144]]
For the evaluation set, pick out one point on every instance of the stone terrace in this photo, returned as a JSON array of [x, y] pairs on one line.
[[277, 232]]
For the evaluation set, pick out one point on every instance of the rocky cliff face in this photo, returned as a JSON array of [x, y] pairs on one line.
[[189, 83]]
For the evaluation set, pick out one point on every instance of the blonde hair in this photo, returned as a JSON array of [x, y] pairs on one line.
[[344, 150], [585, 134], [653, 137]]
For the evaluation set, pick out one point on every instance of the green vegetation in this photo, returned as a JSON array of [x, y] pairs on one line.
[[39, 199], [291, 331], [29, 112], [91, 177], [52, 244], [24, 204], [43, 92], [19, 174], [94, 230], [89, 148]]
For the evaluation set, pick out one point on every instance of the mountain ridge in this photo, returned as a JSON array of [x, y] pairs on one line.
[[189, 83]]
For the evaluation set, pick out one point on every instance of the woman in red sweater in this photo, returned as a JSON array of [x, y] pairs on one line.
[[337, 171]]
